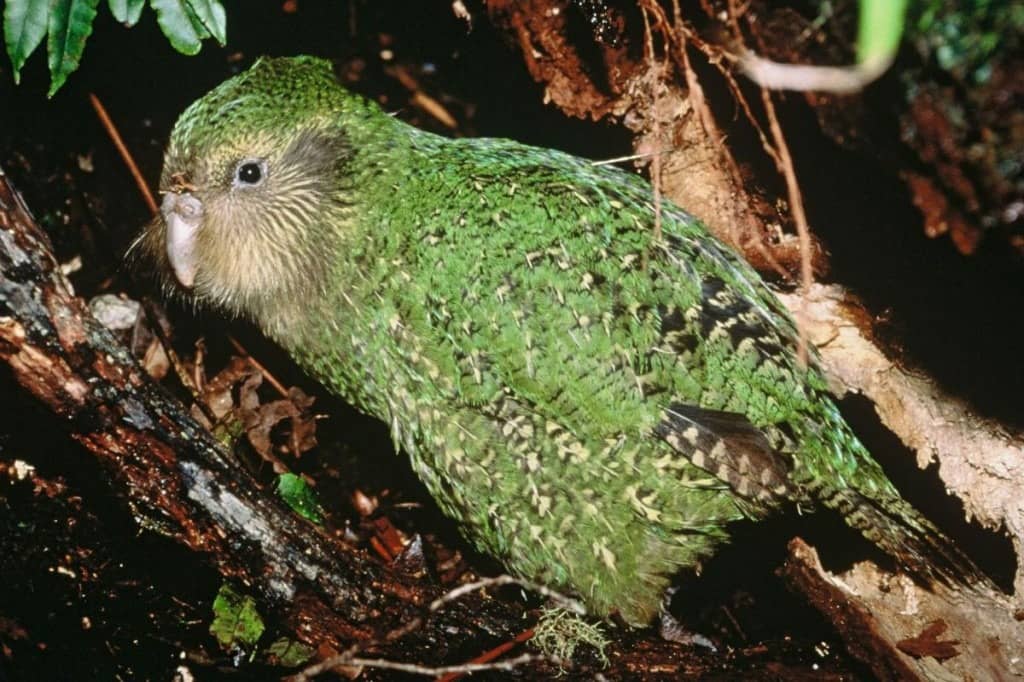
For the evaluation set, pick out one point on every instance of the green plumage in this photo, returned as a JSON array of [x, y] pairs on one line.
[[594, 406]]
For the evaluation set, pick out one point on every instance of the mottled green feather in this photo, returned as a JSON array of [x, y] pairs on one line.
[[594, 405]]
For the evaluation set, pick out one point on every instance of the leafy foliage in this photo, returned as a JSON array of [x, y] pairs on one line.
[[964, 38], [236, 622], [289, 653], [238, 626], [127, 11], [68, 23], [24, 28], [880, 29], [300, 497]]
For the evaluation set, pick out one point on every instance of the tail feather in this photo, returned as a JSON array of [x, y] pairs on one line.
[[852, 483], [896, 527]]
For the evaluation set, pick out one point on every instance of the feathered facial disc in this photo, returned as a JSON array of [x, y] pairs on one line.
[[255, 189]]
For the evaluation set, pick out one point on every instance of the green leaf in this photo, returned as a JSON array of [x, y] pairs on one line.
[[879, 30], [290, 653], [211, 15], [127, 11], [69, 26], [176, 22], [236, 622], [197, 24], [299, 496], [24, 28]]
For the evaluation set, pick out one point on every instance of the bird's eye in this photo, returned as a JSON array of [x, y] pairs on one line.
[[250, 172]]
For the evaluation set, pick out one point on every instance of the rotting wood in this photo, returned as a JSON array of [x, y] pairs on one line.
[[803, 573], [876, 612]]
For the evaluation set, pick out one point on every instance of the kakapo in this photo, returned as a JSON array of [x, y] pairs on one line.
[[593, 402]]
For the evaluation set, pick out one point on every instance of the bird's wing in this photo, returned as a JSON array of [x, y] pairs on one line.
[[553, 291]]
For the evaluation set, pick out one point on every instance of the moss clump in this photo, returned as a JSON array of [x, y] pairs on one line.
[[559, 633]]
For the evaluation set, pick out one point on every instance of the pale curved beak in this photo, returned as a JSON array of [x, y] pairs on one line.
[[183, 214]]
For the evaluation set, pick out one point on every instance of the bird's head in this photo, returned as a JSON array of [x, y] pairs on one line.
[[256, 186]]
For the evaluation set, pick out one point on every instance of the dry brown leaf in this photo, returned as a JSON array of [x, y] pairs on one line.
[[928, 643], [155, 360], [218, 393]]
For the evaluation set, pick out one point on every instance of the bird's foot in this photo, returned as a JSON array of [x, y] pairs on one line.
[[672, 630]]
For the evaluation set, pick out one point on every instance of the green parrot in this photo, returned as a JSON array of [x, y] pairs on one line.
[[595, 404]]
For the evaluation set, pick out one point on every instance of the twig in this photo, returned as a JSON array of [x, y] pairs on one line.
[[714, 56], [149, 309], [717, 58], [380, 549], [796, 201], [874, 58], [414, 669], [677, 36], [784, 164], [796, 207], [656, 159], [115, 137], [491, 654], [648, 36], [147, 306], [347, 657], [422, 99], [271, 379], [656, 175], [568, 603], [841, 80], [682, 36], [631, 157]]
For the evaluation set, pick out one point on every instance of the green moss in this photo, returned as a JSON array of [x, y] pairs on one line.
[[559, 633]]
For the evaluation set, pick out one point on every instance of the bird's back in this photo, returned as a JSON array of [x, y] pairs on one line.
[[594, 399], [594, 403]]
